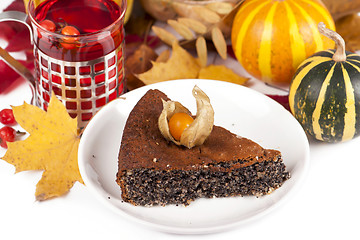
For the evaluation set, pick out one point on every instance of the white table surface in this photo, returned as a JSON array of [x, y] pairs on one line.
[[327, 205]]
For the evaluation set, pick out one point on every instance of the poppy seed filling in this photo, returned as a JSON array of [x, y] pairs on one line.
[[149, 187]]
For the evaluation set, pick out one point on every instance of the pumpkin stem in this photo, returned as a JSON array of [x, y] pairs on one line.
[[339, 55]]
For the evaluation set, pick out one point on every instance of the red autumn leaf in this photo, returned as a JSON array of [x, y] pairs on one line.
[[16, 5], [134, 41], [7, 32], [17, 39], [230, 51], [151, 41], [29, 62], [20, 41], [282, 99], [9, 78]]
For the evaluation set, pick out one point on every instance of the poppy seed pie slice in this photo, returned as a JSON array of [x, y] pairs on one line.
[[154, 171]]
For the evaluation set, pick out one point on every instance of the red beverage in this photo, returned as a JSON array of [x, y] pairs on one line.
[[78, 51], [89, 18]]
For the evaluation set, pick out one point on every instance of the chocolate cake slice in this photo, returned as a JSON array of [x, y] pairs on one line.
[[153, 171]]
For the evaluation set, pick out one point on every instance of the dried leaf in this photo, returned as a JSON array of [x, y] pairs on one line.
[[182, 29], [345, 27], [183, 9], [199, 129], [201, 51], [194, 25], [138, 62], [220, 7], [339, 9], [222, 73], [164, 56], [180, 65], [159, 9], [206, 14], [164, 35], [219, 42], [52, 146]]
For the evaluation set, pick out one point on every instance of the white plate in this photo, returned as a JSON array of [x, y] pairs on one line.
[[239, 109]]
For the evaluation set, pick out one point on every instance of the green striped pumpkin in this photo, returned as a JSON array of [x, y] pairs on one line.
[[325, 95]]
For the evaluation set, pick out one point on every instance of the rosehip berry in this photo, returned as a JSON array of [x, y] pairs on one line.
[[69, 42], [48, 25], [7, 117], [7, 134]]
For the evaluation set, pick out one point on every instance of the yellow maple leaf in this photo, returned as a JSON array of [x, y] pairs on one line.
[[52, 146], [180, 65], [222, 73]]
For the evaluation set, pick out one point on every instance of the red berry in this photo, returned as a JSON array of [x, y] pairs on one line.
[[7, 117], [48, 25], [70, 30], [7, 134], [69, 42]]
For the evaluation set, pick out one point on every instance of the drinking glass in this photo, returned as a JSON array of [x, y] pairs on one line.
[[84, 68]]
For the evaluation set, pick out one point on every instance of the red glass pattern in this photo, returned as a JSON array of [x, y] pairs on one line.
[[90, 73]]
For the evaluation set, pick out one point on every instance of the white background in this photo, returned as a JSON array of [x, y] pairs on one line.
[[327, 206]]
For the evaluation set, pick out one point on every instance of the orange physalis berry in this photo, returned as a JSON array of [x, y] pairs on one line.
[[178, 123]]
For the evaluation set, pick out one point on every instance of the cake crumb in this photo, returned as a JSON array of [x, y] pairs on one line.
[[271, 189], [155, 160]]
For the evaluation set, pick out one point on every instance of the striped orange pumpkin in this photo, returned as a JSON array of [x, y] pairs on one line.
[[270, 38]]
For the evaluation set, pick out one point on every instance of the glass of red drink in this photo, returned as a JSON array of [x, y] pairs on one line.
[[78, 50]]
